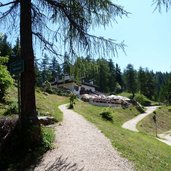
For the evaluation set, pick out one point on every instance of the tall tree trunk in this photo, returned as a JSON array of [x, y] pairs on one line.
[[28, 117], [27, 133]]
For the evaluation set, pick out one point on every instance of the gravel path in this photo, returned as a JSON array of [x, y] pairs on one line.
[[81, 146], [165, 137], [131, 124]]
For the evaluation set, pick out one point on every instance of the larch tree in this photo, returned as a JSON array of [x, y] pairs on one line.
[[162, 3], [60, 25], [131, 79]]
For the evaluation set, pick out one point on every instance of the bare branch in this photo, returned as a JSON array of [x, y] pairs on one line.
[[9, 11], [47, 45], [9, 3], [159, 3], [77, 17]]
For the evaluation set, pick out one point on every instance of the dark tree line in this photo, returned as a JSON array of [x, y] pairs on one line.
[[102, 72], [107, 76], [153, 85]]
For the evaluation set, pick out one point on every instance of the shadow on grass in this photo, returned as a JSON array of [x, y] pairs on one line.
[[60, 164]]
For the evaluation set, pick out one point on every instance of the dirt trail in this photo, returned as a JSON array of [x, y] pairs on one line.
[[165, 137], [81, 146], [131, 124]]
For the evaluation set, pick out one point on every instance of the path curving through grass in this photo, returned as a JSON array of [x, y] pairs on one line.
[[131, 125], [81, 146]]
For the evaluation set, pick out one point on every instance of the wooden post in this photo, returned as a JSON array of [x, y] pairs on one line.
[[19, 95], [155, 121]]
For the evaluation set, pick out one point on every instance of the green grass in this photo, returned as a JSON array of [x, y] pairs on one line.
[[48, 137], [125, 94], [11, 96], [147, 153], [129, 95], [47, 104], [163, 121]]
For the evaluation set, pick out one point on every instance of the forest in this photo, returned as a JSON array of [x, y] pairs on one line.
[[102, 72]]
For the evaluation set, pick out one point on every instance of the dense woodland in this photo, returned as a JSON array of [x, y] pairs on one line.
[[104, 73]]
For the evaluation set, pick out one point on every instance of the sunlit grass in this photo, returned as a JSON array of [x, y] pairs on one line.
[[163, 114], [47, 104], [147, 153]]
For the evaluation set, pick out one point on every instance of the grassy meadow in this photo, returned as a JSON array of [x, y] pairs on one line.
[[47, 104], [163, 115], [147, 153]]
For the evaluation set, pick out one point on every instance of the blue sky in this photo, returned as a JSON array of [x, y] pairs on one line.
[[147, 34]]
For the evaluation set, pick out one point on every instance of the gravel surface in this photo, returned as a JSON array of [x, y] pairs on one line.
[[165, 137], [131, 124], [81, 146]]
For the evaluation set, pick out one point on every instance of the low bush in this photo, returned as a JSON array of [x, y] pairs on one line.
[[142, 100], [138, 106], [71, 99], [169, 110], [5, 78], [47, 87], [12, 109], [71, 106], [107, 116], [48, 137]]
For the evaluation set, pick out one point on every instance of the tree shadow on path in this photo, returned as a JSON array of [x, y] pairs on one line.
[[61, 164]]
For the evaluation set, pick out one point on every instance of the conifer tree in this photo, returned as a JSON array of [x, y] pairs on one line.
[[70, 21]]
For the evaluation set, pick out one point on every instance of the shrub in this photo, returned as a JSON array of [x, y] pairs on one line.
[[60, 91], [138, 106], [5, 80], [71, 99], [48, 87], [12, 109], [107, 116], [142, 100], [48, 137], [71, 106], [169, 110]]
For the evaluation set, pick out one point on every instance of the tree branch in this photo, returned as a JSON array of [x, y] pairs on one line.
[[160, 3], [10, 10], [9, 3], [48, 45]]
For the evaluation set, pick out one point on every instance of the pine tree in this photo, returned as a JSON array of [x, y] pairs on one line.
[[66, 65], [150, 85], [112, 76], [119, 79], [103, 75], [141, 80], [46, 73], [54, 68], [5, 47], [17, 49], [131, 79]]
